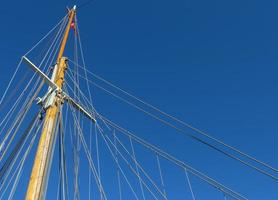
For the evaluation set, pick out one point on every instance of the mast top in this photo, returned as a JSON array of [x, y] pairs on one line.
[[74, 7]]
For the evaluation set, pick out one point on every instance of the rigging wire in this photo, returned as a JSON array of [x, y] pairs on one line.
[[193, 136], [10, 82], [189, 184], [118, 172], [46, 35], [14, 91], [22, 165], [89, 152], [66, 174], [136, 167], [76, 94], [19, 120], [14, 107], [161, 177], [178, 120], [77, 34], [11, 158], [141, 168], [175, 161], [207, 179], [23, 92], [86, 149], [97, 153], [108, 127], [18, 167], [28, 102], [62, 156], [127, 163]]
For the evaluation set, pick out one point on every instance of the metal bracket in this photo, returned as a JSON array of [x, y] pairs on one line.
[[54, 90]]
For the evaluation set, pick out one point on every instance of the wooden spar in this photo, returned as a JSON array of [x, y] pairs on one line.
[[39, 176]]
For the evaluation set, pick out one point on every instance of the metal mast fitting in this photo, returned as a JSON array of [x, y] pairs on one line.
[[39, 176]]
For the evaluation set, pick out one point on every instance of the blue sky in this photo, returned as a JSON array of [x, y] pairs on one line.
[[210, 63]]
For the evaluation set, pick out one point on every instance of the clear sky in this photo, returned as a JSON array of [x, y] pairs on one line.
[[211, 63]]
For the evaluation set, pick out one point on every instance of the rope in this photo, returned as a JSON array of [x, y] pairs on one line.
[[18, 146], [89, 158], [118, 172], [10, 82], [28, 99], [141, 168], [161, 177], [97, 153], [62, 156], [189, 184], [192, 136], [119, 167], [136, 167], [17, 168], [14, 91], [90, 103], [175, 161], [46, 35], [179, 121], [21, 167], [19, 120]]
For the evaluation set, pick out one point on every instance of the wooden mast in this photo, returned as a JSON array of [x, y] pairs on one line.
[[38, 180]]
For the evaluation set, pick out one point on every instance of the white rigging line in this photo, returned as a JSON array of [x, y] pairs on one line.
[[175, 161], [136, 167], [125, 177], [262, 171], [22, 165], [89, 171], [128, 164], [178, 120], [23, 92], [189, 184], [18, 121], [134, 170], [118, 172], [87, 102], [88, 154], [66, 175], [87, 105], [58, 186], [198, 174], [84, 64], [63, 155], [91, 103], [141, 168], [161, 177], [54, 48], [76, 94], [45, 36], [12, 110], [97, 153], [19, 165], [3, 182], [10, 82], [29, 100]]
